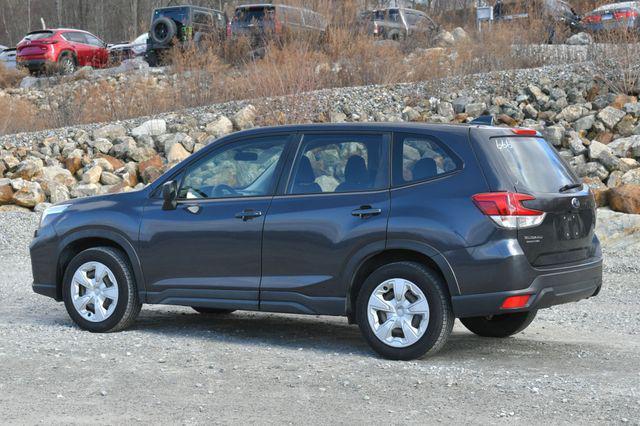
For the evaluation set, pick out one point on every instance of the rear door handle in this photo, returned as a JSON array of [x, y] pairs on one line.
[[247, 215], [365, 212]]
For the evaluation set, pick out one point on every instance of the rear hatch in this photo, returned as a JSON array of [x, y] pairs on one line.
[[532, 166], [610, 16], [36, 43]]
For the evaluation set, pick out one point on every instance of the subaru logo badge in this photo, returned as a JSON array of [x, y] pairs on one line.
[[575, 203]]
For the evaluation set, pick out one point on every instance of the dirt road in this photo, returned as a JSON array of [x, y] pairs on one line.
[[576, 364]]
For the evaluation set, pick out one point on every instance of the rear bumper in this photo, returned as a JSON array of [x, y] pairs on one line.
[[551, 287], [33, 64]]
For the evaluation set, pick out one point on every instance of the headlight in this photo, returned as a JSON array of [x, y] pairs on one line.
[[51, 212]]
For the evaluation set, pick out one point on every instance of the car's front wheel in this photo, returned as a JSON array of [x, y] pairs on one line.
[[99, 290], [504, 325], [404, 311]]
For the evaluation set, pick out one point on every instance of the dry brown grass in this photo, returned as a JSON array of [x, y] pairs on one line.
[[10, 77], [225, 70]]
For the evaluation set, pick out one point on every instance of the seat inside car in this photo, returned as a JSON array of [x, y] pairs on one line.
[[356, 175], [424, 169], [305, 182]]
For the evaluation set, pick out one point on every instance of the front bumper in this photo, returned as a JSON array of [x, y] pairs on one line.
[[551, 287], [44, 266]]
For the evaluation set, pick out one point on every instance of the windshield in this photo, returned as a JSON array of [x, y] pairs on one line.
[[178, 14], [247, 15], [534, 164]]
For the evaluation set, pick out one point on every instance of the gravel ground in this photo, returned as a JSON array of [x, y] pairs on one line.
[[576, 364]]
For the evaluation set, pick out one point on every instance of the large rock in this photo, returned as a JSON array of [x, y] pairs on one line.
[[92, 175], [611, 116], [572, 113], [111, 132], [222, 126], [537, 94], [554, 134], [150, 128], [625, 199], [631, 177], [85, 190], [445, 109], [459, 35], [59, 175], [580, 39], [57, 192], [108, 178], [177, 153], [245, 118], [444, 39], [28, 169], [599, 189], [101, 145], [626, 147], [585, 123], [6, 192], [29, 195], [124, 148]]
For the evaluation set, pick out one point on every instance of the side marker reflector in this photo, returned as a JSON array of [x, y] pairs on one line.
[[515, 302]]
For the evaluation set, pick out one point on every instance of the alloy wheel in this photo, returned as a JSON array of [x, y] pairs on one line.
[[398, 313]]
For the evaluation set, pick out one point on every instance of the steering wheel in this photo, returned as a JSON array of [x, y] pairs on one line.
[[224, 191]]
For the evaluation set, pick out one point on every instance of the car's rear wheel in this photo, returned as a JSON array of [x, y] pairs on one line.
[[99, 290], [504, 325], [212, 311], [66, 64], [404, 311]]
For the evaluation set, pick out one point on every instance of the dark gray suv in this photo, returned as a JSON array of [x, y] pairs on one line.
[[400, 227]]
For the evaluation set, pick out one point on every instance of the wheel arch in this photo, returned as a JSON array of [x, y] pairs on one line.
[[78, 242], [68, 51], [397, 251]]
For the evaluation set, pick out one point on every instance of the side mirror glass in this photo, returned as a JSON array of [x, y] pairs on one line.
[[170, 195]]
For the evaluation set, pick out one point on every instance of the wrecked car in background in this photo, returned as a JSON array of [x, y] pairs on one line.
[[399, 24], [557, 18], [129, 50], [183, 26], [615, 16]]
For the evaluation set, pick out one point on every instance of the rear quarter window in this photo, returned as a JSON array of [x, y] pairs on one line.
[[533, 164], [418, 158]]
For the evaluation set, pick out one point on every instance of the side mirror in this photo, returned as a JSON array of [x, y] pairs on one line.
[[170, 195]]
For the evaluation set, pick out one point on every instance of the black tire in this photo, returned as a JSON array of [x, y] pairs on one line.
[[500, 326], [163, 31], [212, 311], [128, 304], [66, 64], [441, 318]]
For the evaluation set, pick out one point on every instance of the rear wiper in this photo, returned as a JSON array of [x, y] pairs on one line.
[[570, 186]]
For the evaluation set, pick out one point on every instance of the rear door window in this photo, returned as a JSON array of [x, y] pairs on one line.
[[534, 165], [247, 15], [338, 163], [418, 158]]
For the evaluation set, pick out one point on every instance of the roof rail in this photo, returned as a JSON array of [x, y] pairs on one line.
[[485, 120]]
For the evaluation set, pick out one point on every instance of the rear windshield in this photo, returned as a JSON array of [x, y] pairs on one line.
[[39, 35], [534, 164], [247, 15], [178, 14]]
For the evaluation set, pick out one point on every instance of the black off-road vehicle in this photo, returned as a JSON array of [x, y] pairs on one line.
[[183, 26]]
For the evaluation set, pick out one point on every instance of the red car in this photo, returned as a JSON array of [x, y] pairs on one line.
[[64, 49]]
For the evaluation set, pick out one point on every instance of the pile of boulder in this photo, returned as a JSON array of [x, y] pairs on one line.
[[109, 159], [595, 129]]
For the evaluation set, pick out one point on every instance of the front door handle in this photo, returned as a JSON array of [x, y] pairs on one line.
[[247, 215], [365, 212]]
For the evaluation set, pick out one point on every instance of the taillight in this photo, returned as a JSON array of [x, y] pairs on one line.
[[592, 19], [507, 211], [625, 14], [229, 32], [48, 41]]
